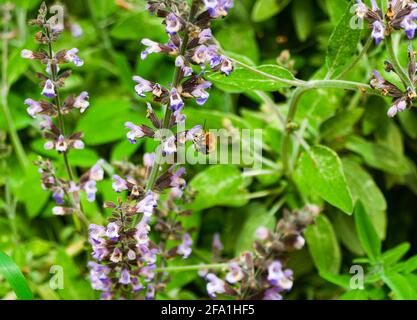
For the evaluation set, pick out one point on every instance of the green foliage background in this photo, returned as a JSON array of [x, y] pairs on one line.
[[363, 155]]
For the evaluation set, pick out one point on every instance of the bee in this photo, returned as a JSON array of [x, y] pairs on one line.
[[204, 141]]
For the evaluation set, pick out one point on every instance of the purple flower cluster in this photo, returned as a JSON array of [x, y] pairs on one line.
[[65, 192], [401, 14], [192, 44], [125, 258], [401, 99], [261, 274]]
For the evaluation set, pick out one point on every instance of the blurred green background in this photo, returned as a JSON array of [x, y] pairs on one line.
[[291, 33]]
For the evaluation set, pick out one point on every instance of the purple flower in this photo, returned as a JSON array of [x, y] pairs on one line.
[[148, 255], [135, 132], [399, 105], [99, 276], [173, 24], [226, 65], [148, 159], [361, 9], [262, 233], [142, 86], [180, 62], [61, 144], [49, 89], [136, 284], [124, 277], [96, 233], [147, 205], [78, 144], [215, 285], [279, 278], [152, 47], [81, 101], [235, 273], [409, 26], [378, 82], [179, 116], [100, 271], [204, 36], [299, 242], [112, 231], [91, 189], [218, 8], [97, 172], [27, 54], [58, 196], [212, 56], [116, 256], [148, 272], [184, 249], [99, 252], [200, 92], [142, 230], [71, 56], [200, 55], [150, 292], [131, 255], [119, 184], [217, 244], [58, 211], [76, 30], [378, 31], [169, 145], [34, 107], [176, 102], [46, 123], [272, 294]]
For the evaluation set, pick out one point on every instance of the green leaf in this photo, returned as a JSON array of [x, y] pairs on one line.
[[104, 121], [126, 27], [345, 229], [356, 294], [378, 156], [265, 9], [341, 124], [220, 185], [243, 79], [395, 254], [303, 16], [408, 121], [336, 10], [401, 288], [323, 245], [337, 279], [257, 216], [364, 188], [103, 8], [410, 265], [29, 190], [366, 233], [239, 38], [342, 45], [14, 277], [322, 171]]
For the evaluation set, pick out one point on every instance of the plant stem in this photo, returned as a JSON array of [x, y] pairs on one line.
[[54, 74], [14, 137], [357, 59], [193, 267], [293, 104], [293, 83], [168, 112], [396, 63]]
